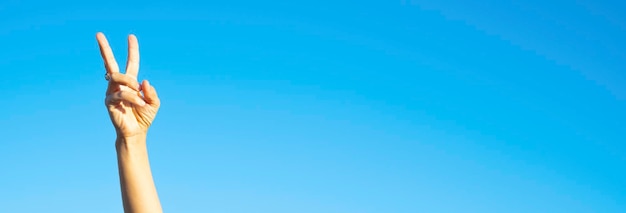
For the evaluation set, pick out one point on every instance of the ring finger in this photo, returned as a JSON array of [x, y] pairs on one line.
[[117, 78]]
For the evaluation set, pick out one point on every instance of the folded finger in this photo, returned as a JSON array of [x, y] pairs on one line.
[[124, 95], [125, 80], [107, 54]]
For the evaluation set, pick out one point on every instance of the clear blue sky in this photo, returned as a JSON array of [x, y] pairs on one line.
[[323, 106]]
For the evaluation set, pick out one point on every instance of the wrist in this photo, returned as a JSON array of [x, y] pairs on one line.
[[134, 140]]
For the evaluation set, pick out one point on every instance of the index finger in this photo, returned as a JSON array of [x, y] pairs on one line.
[[107, 53], [132, 64]]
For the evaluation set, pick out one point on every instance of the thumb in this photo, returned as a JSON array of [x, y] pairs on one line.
[[150, 94]]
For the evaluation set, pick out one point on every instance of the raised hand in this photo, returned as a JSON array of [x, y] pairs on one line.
[[130, 111]]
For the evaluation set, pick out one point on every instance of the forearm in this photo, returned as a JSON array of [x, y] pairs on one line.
[[139, 193]]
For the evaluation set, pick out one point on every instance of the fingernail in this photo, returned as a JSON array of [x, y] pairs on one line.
[[142, 103]]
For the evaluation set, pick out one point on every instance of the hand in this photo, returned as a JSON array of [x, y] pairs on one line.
[[130, 111]]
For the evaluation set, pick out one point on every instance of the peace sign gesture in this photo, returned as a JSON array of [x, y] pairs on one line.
[[130, 111]]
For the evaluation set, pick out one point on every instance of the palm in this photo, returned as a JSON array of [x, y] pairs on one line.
[[130, 119], [130, 111]]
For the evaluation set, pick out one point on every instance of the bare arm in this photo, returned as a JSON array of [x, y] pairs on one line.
[[132, 108], [138, 191]]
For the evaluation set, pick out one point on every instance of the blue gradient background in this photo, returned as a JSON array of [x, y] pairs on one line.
[[323, 106]]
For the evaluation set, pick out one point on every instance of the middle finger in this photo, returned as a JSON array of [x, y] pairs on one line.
[[107, 54]]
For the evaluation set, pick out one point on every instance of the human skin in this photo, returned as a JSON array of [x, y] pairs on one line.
[[132, 107]]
